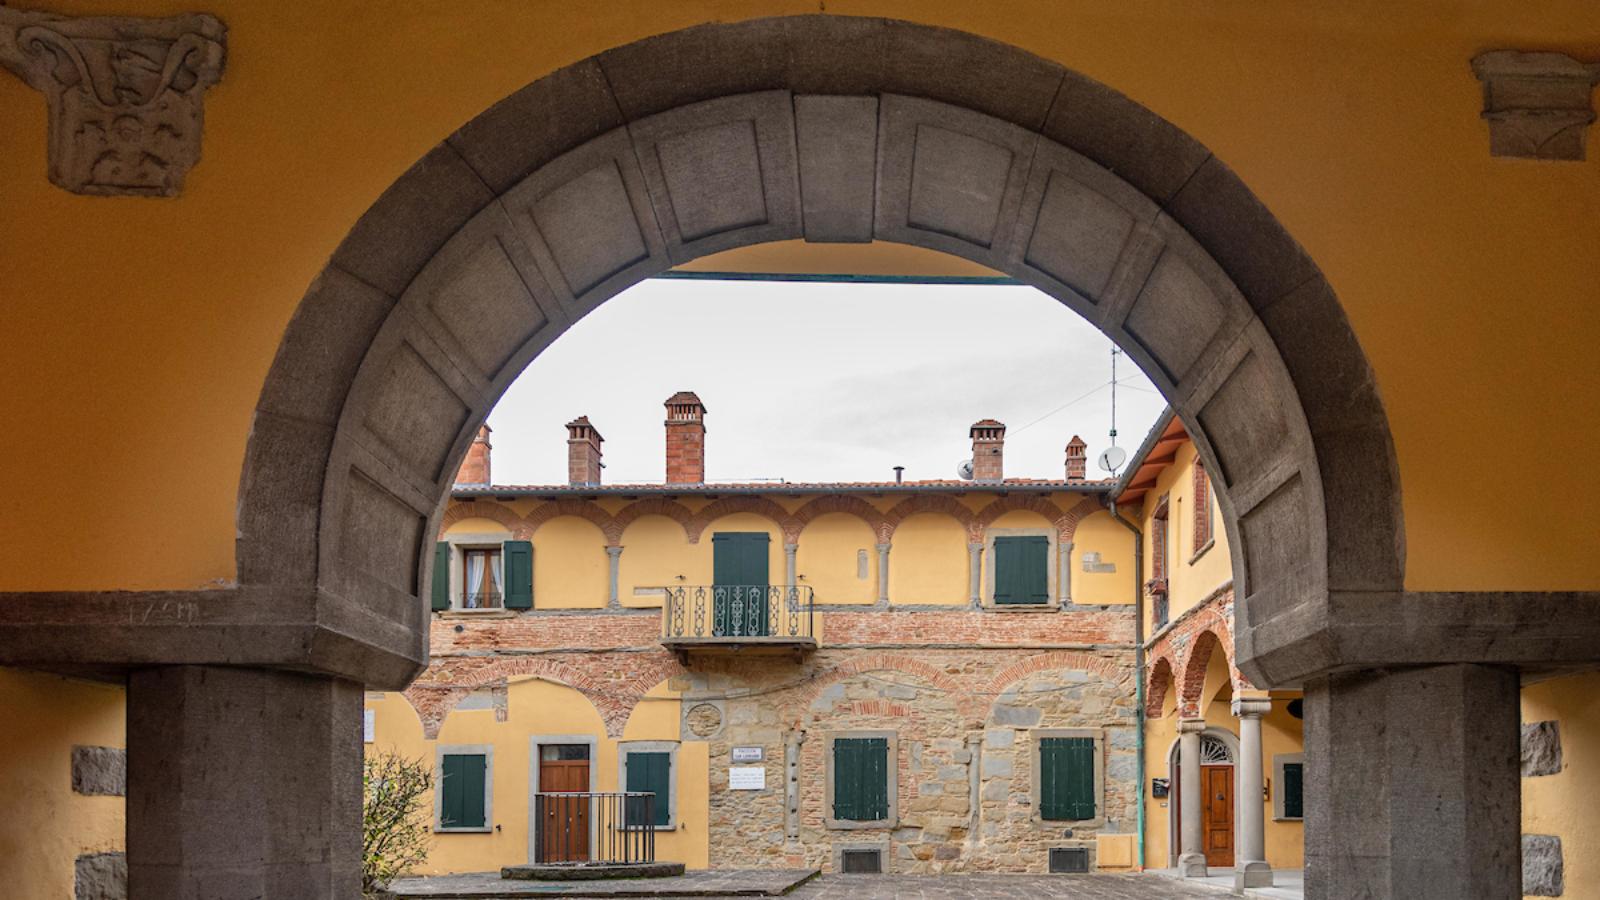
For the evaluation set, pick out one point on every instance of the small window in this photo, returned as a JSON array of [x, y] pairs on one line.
[[482, 578], [463, 791], [649, 772], [861, 779], [1022, 570], [1069, 860], [852, 862], [1202, 508], [1288, 801], [563, 752], [1066, 779]]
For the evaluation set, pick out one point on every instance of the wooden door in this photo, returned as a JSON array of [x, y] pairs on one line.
[[1216, 795], [564, 830], [740, 579]]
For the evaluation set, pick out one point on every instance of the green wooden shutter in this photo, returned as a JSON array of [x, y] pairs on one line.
[[517, 557], [739, 565], [1022, 569], [861, 779], [1293, 798], [462, 789], [441, 575], [650, 773], [1066, 779]]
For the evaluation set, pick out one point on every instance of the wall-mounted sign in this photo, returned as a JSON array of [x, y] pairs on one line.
[[369, 725], [747, 754], [1159, 787], [747, 778]]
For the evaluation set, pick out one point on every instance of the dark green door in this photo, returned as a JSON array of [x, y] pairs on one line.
[[739, 576]]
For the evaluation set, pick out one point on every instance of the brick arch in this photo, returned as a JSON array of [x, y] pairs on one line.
[[479, 508], [1067, 525], [1023, 502], [798, 707], [582, 509], [1162, 678], [941, 504], [1196, 658], [841, 503], [613, 700], [1058, 659], [728, 506], [651, 506]]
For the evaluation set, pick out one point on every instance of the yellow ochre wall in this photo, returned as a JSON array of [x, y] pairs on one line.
[[929, 561], [48, 826], [1357, 124], [1190, 579], [535, 707], [1564, 804]]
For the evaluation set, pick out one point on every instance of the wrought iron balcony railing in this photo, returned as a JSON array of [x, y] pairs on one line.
[[737, 612], [482, 600], [588, 828]]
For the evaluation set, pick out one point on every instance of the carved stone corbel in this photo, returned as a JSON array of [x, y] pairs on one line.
[[1538, 105], [124, 94]]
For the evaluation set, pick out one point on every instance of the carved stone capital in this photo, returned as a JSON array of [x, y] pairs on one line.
[[1191, 726], [1538, 105], [1251, 707], [124, 94]]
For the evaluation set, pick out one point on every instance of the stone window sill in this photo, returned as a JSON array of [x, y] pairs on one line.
[[1021, 607], [477, 614], [487, 830], [1202, 550], [1288, 819], [879, 825]]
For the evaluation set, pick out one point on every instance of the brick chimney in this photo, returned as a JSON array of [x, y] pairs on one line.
[[988, 451], [686, 439], [475, 468], [583, 452], [1077, 459]]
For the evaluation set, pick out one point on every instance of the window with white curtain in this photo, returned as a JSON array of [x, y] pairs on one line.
[[482, 578]]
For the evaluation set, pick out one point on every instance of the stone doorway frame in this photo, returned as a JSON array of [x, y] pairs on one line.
[[1174, 827]]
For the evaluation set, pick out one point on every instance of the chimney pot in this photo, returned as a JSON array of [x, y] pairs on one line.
[[583, 452], [988, 450], [686, 439], [475, 468], [1077, 459]]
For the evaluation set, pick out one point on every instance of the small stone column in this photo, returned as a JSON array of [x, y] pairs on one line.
[[1413, 784], [614, 559], [243, 783], [1250, 867], [1192, 862], [883, 574], [1064, 574], [790, 567], [975, 568], [975, 787]]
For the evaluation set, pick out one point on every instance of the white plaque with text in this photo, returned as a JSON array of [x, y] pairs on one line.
[[747, 778], [747, 754]]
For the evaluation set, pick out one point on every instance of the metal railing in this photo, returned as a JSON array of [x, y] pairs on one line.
[[594, 828], [482, 600], [737, 611]]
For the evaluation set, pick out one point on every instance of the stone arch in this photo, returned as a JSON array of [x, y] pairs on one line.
[[1110, 670], [942, 504], [480, 509], [728, 506], [651, 506], [1023, 502], [799, 704], [599, 175], [1161, 681], [582, 509], [841, 503]]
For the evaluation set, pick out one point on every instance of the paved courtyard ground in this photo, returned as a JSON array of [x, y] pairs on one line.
[[825, 887]]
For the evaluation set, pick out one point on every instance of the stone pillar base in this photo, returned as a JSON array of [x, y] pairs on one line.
[[1252, 874], [1192, 865], [243, 784]]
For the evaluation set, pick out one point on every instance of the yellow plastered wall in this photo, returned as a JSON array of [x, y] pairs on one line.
[[1281, 733], [540, 708], [829, 560], [1100, 533], [1159, 735], [654, 553], [570, 566], [1564, 804], [929, 561], [1193, 574], [700, 562], [49, 826]]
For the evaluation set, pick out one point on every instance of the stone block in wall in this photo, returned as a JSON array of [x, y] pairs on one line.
[[100, 771], [101, 876], [1541, 865], [1541, 748], [1538, 105]]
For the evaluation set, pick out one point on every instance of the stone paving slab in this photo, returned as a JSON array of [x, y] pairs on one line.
[[799, 884], [490, 886]]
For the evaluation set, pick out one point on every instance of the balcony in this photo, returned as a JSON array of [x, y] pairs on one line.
[[724, 620]]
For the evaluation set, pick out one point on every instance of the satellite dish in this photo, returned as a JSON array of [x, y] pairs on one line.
[[1113, 458], [964, 471]]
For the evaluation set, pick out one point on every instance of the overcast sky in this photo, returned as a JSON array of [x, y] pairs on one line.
[[822, 382]]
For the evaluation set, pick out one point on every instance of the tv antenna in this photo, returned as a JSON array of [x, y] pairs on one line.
[[1112, 458]]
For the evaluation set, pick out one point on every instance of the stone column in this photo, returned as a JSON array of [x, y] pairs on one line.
[[883, 574], [242, 784], [1192, 862], [614, 559], [791, 783], [1064, 573], [1250, 846], [1413, 784], [975, 567], [790, 551], [974, 788]]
